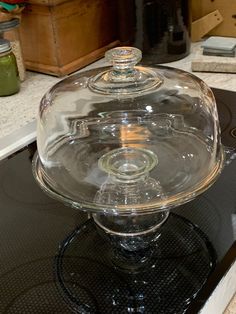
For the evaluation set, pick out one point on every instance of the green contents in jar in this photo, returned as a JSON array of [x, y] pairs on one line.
[[9, 76]]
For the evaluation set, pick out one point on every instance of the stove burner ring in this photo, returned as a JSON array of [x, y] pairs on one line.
[[225, 115], [84, 260], [233, 132]]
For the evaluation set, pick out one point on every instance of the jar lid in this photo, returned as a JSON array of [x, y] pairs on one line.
[[7, 25], [4, 45]]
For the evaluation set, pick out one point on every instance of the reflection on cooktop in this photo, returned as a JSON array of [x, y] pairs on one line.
[[226, 105]]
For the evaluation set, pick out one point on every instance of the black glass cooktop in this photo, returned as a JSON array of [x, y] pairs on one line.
[[32, 226]]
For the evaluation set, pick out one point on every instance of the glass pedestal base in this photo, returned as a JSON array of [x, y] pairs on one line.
[[90, 283]]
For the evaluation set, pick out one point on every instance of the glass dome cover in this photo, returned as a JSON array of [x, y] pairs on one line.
[[128, 138]]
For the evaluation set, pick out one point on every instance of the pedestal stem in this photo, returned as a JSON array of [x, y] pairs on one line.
[[132, 238]]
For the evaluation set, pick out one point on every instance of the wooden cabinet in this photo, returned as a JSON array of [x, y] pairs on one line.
[[59, 37], [227, 9]]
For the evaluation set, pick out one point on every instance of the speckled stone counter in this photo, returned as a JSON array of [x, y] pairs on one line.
[[18, 112], [231, 308]]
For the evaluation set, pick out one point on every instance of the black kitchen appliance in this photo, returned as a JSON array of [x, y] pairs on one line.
[[159, 28], [33, 226]]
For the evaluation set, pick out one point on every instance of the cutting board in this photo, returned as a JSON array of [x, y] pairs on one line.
[[202, 63]]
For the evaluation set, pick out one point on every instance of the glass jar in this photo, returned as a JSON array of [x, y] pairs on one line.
[[159, 28], [10, 30], [9, 75]]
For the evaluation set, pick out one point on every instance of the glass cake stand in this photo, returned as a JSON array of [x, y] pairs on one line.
[[127, 144]]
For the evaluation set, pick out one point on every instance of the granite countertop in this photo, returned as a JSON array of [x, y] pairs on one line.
[[231, 308], [18, 112]]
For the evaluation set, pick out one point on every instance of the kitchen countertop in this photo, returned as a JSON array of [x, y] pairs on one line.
[[231, 308], [18, 112]]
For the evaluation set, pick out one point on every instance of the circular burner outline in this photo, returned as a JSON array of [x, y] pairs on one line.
[[220, 102], [74, 302]]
